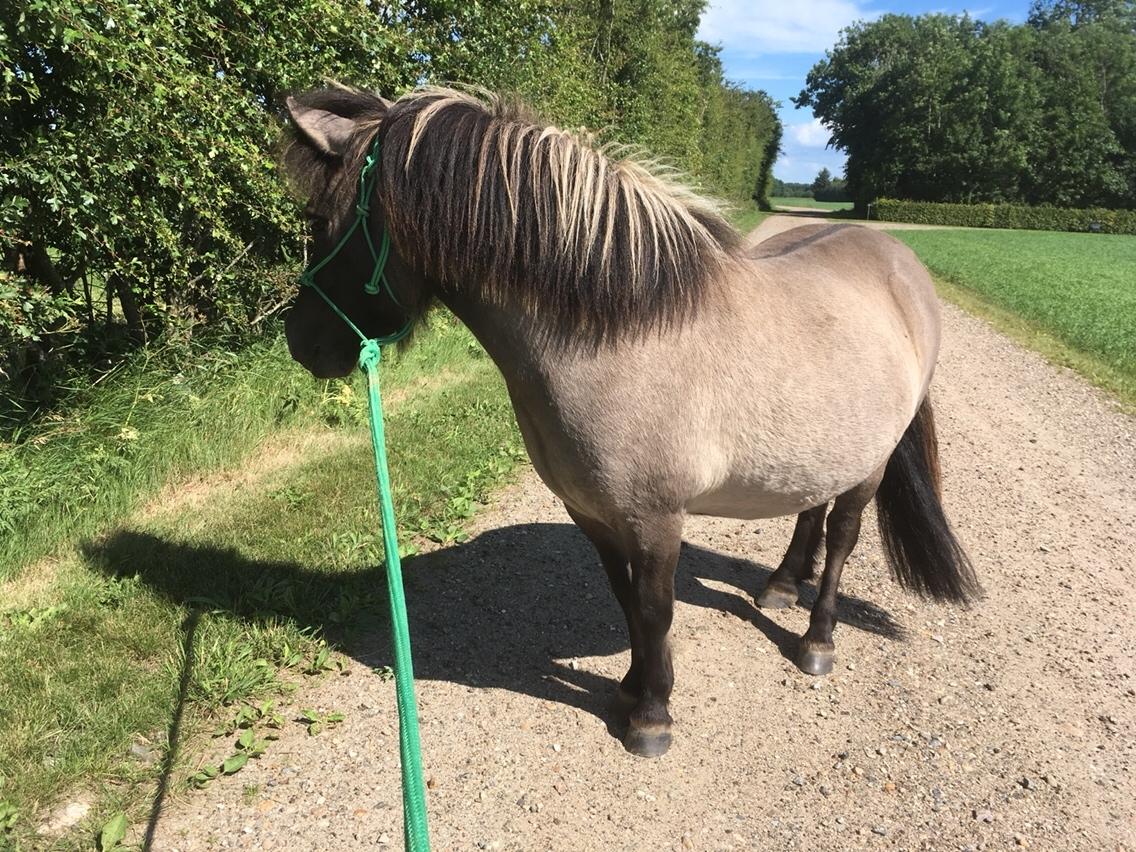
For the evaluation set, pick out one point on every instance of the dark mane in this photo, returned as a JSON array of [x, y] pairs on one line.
[[478, 194]]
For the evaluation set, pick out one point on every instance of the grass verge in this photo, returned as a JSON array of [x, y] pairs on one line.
[[810, 202], [193, 608], [1068, 296], [748, 219]]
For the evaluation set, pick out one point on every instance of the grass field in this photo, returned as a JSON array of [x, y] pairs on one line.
[[1071, 296], [810, 202], [195, 600]]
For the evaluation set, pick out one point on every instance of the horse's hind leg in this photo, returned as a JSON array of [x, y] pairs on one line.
[[799, 562], [817, 652]]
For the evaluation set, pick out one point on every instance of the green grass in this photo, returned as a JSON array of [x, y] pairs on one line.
[[225, 590], [810, 202], [748, 219], [1071, 296]]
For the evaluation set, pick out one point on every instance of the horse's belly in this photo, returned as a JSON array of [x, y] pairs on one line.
[[748, 502]]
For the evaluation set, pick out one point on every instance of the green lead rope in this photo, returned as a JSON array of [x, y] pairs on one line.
[[415, 832], [416, 835]]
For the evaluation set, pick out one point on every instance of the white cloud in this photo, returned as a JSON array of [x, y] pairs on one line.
[[812, 134], [779, 26]]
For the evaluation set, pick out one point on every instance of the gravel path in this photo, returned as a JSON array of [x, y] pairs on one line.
[[1007, 725]]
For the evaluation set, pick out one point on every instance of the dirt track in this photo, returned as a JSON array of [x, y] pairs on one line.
[[1004, 726]]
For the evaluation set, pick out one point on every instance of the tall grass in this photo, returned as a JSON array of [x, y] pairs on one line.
[[217, 589]]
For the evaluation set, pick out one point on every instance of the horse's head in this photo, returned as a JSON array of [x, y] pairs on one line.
[[334, 129]]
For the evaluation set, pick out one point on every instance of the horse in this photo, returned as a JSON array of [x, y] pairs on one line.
[[656, 366]]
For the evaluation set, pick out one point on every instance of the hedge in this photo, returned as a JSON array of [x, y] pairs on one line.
[[139, 191], [1017, 216]]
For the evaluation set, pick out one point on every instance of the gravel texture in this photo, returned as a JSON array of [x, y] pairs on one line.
[[1003, 726]]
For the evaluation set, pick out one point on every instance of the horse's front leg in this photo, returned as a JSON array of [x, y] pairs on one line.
[[653, 544], [617, 565], [799, 563], [646, 595]]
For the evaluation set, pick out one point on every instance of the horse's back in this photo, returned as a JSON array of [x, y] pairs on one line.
[[860, 270]]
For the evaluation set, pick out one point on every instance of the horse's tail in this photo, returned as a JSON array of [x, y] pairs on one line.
[[923, 552]]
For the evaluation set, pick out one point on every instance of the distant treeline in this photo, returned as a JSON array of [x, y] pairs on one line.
[[823, 188], [941, 108], [139, 192]]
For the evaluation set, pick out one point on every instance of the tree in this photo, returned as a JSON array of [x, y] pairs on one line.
[[943, 108], [822, 181]]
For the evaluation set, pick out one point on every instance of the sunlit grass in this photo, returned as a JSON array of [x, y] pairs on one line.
[[1069, 295], [230, 578], [810, 202]]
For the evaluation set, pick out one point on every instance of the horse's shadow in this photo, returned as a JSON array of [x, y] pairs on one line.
[[509, 609]]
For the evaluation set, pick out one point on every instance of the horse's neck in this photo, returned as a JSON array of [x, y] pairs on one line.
[[517, 344]]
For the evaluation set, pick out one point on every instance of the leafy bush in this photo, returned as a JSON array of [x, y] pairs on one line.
[[139, 193], [1019, 216]]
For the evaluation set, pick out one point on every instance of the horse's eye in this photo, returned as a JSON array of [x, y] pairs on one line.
[[316, 224]]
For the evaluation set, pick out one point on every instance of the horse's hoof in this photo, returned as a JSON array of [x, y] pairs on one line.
[[650, 742], [815, 659], [622, 703], [777, 597]]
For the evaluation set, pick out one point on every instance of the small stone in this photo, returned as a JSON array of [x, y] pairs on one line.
[[798, 780], [825, 790], [984, 816], [880, 830], [1020, 840], [856, 770], [687, 841], [144, 753], [1028, 783], [431, 782], [384, 839], [889, 786]]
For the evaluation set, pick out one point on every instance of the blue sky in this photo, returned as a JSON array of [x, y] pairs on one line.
[[772, 44]]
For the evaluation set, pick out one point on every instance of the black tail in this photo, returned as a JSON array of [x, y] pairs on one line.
[[924, 554]]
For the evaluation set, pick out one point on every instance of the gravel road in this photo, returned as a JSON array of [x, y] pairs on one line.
[[1007, 725]]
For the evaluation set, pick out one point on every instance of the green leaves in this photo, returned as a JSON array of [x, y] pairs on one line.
[[944, 108], [319, 722], [113, 833]]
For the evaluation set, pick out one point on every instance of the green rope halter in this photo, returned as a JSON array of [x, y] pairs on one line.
[[378, 280], [415, 832]]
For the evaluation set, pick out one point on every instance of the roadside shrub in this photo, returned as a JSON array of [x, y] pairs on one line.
[[1016, 216]]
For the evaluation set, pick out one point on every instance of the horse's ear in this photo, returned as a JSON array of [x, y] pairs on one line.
[[326, 131]]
